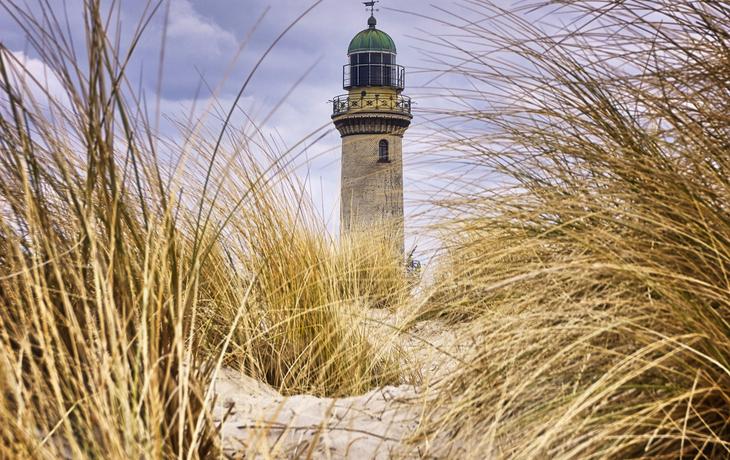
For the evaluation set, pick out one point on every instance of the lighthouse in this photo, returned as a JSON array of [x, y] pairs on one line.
[[372, 118]]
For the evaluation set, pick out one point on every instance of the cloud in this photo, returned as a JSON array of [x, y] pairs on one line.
[[31, 77], [203, 37], [195, 46], [199, 38]]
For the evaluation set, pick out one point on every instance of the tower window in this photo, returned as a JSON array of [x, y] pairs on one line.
[[383, 151]]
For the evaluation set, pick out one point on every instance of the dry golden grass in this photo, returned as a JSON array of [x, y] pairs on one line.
[[589, 302], [598, 286], [123, 291]]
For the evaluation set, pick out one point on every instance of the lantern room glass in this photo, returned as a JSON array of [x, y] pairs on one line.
[[372, 69]]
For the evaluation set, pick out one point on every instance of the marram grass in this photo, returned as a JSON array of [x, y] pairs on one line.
[[127, 278], [590, 300], [598, 285]]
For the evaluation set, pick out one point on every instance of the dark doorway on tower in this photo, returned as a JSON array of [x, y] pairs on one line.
[[383, 152]]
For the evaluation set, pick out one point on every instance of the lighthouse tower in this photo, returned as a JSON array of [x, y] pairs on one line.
[[372, 118]]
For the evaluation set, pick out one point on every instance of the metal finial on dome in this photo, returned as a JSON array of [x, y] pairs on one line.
[[371, 5]]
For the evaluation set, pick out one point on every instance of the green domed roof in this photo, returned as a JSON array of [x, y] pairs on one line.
[[371, 39]]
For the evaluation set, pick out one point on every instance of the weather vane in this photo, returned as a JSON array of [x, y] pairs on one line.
[[371, 6]]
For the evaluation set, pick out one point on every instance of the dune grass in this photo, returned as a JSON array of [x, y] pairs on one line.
[[131, 271], [591, 298], [598, 284]]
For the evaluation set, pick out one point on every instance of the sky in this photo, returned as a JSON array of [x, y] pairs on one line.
[[298, 77]]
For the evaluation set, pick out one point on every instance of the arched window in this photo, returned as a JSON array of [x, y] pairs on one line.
[[383, 151]]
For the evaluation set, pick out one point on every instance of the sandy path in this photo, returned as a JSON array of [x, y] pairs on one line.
[[375, 426], [264, 424]]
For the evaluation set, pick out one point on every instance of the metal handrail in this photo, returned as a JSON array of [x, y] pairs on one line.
[[356, 75], [346, 103]]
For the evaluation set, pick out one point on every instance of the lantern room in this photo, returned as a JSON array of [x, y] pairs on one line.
[[372, 61]]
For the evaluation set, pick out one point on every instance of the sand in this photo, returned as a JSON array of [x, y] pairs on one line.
[[378, 425]]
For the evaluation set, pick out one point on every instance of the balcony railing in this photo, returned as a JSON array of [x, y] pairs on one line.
[[346, 103], [356, 75]]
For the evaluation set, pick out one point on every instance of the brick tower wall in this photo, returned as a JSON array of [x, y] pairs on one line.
[[372, 191]]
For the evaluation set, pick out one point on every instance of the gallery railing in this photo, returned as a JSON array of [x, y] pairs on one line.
[[347, 103]]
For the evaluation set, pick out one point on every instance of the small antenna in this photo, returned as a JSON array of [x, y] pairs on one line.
[[371, 6]]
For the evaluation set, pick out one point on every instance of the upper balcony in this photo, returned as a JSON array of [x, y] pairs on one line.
[[359, 75], [376, 102]]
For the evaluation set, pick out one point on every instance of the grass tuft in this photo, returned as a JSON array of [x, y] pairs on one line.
[[123, 292], [596, 287]]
